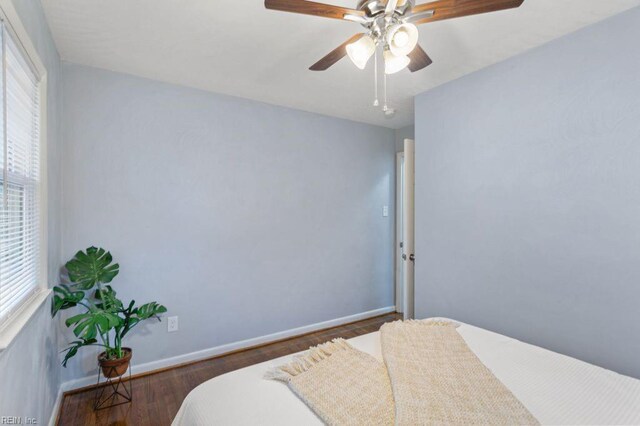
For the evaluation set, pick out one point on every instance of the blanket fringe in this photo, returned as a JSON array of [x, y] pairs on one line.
[[307, 360], [442, 322]]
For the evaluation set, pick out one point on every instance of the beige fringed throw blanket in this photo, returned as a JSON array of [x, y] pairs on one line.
[[429, 376]]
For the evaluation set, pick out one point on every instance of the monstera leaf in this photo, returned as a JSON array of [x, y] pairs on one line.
[[149, 310], [73, 349], [89, 268], [144, 312], [107, 299], [93, 323], [65, 297]]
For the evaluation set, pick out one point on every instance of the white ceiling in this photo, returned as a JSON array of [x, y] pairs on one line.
[[240, 48]]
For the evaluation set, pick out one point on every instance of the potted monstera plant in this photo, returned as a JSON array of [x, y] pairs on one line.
[[105, 320]]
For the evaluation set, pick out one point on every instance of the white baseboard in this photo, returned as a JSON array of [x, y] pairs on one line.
[[229, 347], [56, 408]]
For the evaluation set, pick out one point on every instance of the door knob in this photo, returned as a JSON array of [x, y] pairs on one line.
[[412, 257]]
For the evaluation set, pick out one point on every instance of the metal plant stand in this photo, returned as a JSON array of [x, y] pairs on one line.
[[113, 391]]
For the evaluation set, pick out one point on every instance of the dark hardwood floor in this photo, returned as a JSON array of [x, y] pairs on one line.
[[157, 396]]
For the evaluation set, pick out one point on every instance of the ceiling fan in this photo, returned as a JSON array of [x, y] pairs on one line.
[[389, 25]]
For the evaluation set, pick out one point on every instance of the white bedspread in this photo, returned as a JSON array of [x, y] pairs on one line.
[[555, 388]]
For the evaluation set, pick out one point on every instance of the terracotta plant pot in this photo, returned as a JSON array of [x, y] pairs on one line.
[[115, 367]]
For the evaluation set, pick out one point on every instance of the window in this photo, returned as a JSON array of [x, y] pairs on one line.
[[21, 217]]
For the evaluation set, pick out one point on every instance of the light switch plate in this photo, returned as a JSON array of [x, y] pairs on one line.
[[172, 324], [385, 211]]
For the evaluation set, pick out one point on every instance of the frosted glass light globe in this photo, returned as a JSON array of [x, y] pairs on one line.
[[360, 51], [402, 38]]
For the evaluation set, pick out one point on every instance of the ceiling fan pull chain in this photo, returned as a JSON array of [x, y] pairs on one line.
[[384, 79], [375, 77]]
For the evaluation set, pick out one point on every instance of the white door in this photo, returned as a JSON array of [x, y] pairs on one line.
[[408, 223], [399, 263]]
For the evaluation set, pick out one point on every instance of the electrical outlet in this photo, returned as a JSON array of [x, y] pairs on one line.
[[385, 211], [172, 324]]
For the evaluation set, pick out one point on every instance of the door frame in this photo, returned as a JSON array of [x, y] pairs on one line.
[[408, 240], [397, 252]]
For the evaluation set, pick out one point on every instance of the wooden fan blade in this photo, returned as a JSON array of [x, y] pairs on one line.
[[335, 55], [312, 8], [419, 59], [448, 9]]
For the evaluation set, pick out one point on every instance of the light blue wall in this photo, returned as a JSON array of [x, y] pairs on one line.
[[29, 368], [243, 218], [528, 196]]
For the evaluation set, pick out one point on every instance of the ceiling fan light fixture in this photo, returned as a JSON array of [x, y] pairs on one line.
[[394, 63], [360, 51], [402, 39], [390, 24]]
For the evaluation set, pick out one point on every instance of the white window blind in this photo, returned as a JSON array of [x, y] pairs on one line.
[[20, 184]]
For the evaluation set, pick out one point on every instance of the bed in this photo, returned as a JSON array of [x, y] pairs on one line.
[[555, 388]]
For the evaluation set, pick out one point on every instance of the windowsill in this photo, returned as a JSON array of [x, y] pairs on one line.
[[10, 331]]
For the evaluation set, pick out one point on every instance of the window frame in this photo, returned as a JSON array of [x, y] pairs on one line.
[[11, 327]]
